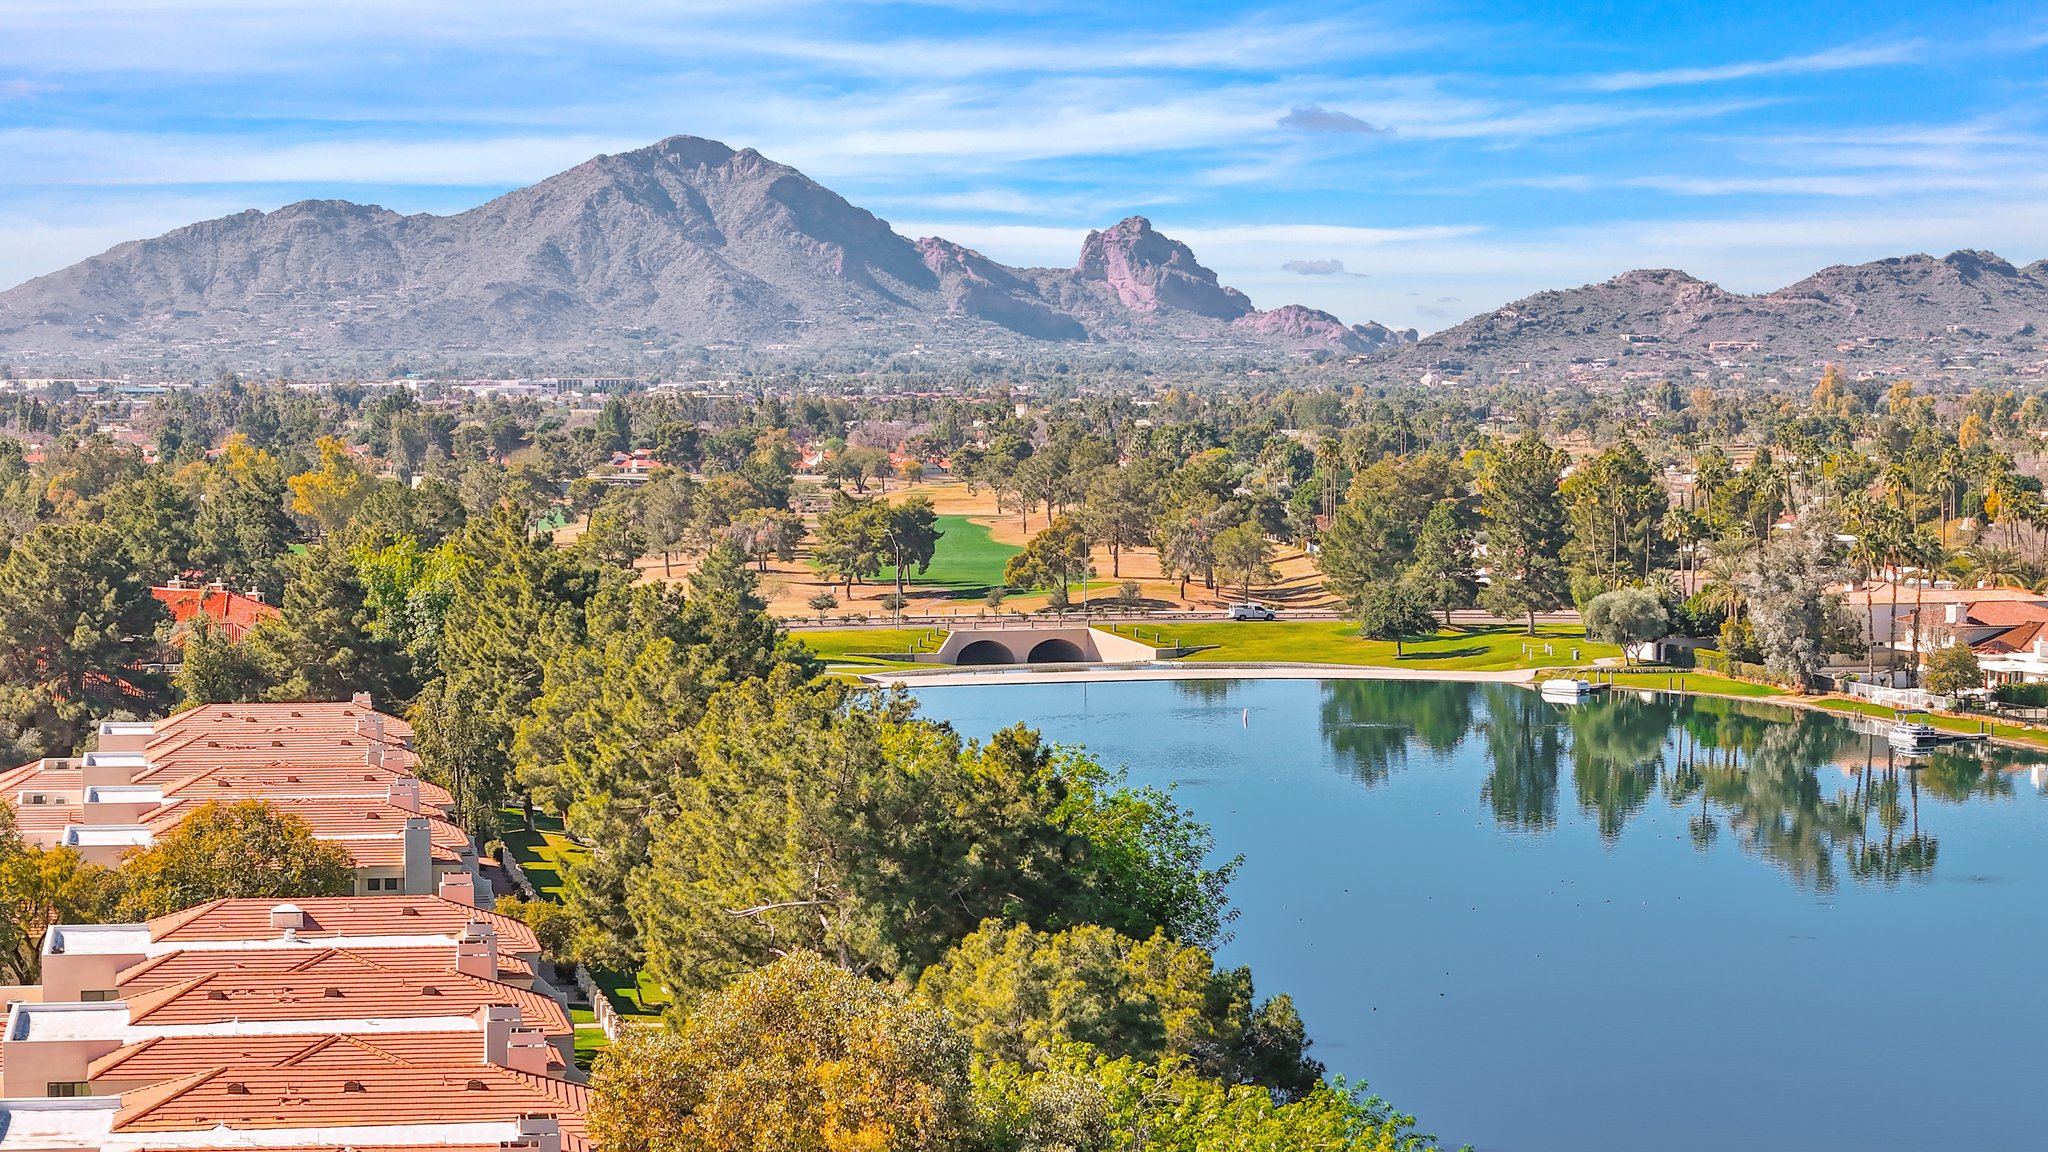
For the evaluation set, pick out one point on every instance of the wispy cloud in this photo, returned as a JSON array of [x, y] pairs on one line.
[[1832, 60], [1313, 267]]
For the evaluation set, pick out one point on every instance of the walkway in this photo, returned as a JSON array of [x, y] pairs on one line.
[[1015, 674]]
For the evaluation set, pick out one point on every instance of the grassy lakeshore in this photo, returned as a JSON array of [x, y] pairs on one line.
[[1491, 648]]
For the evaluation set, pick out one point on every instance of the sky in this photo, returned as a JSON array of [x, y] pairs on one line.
[[1411, 163]]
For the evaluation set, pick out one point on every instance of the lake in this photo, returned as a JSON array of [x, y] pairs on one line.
[[1647, 922]]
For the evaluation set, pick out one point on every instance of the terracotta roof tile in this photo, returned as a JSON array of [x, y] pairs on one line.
[[371, 1095], [268, 996], [420, 960], [328, 916], [161, 1057], [234, 612]]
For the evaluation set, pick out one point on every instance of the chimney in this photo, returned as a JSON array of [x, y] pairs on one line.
[[419, 857], [476, 951], [539, 1134], [1954, 613], [100, 769], [372, 725], [373, 756], [361, 700], [528, 1051], [289, 917], [497, 1021], [254, 593], [404, 792], [2041, 647], [125, 736], [457, 888]]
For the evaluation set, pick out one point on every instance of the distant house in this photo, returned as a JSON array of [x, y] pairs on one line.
[[234, 613], [2010, 637]]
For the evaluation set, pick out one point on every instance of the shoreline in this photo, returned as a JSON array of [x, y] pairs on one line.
[[1111, 673], [1130, 673]]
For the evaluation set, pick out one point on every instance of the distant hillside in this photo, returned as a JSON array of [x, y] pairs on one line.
[[680, 245], [1967, 311]]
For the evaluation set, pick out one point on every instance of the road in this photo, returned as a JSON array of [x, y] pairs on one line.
[[978, 618]]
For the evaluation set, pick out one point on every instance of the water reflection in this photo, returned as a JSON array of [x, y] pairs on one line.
[[1371, 724], [1806, 793]]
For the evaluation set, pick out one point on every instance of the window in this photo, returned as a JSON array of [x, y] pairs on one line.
[[381, 884], [69, 1088], [96, 996]]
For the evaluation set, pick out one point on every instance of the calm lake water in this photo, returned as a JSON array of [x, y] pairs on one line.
[[1643, 923]]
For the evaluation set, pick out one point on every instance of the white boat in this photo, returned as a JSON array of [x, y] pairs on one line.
[[1910, 732], [1567, 691]]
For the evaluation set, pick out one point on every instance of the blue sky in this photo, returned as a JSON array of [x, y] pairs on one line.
[[1409, 163]]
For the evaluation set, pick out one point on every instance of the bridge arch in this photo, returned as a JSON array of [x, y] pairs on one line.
[[984, 652], [1056, 651]]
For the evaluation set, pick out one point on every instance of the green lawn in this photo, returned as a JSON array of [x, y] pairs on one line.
[[842, 646], [540, 853], [589, 1042], [631, 993], [1493, 648], [967, 563], [2001, 730]]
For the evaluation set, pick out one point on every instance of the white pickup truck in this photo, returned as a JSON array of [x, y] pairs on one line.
[[1250, 611]]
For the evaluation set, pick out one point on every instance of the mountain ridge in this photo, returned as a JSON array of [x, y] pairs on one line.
[[1903, 314], [688, 246], [685, 243]]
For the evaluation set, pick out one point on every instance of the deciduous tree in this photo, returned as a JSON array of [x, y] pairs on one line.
[[245, 849], [800, 1056]]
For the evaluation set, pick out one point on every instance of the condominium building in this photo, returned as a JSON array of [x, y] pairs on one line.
[[338, 1022]]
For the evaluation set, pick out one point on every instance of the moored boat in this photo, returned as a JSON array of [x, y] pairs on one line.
[[1910, 731], [1564, 691]]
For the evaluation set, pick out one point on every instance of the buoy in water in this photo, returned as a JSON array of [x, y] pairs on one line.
[[1247, 717]]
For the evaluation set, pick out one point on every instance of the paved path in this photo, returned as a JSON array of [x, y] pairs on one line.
[[1012, 674]]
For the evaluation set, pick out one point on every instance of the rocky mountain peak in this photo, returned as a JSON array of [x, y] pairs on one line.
[[682, 243], [1970, 263], [1149, 271]]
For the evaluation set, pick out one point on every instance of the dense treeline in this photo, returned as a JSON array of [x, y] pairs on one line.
[[1020, 942]]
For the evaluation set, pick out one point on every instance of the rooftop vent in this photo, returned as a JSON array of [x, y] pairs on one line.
[[215, 994], [476, 1086], [430, 990], [238, 1089], [332, 993], [352, 1086], [287, 916]]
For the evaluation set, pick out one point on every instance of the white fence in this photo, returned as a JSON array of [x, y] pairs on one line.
[[1897, 697], [600, 1007]]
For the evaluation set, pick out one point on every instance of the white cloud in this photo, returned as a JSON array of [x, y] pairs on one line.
[[1832, 60]]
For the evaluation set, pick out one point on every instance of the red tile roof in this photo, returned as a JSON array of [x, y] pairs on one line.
[[282, 778], [167, 1057], [367, 1096], [2011, 640], [371, 830], [421, 960], [2007, 612], [281, 996], [330, 916], [232, 611]]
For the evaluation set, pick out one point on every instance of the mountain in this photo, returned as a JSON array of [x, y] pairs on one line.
[[1917, 315], [669, 248]]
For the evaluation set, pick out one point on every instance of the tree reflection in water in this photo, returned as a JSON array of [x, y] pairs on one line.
[[1770, 778], [1370, 723]]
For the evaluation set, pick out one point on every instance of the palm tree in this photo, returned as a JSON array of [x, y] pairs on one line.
[[1928, 555], [1995, 567], [1723, 589], [1681, 528]]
